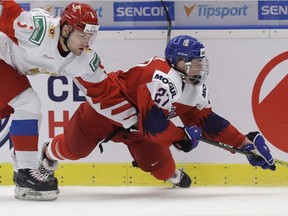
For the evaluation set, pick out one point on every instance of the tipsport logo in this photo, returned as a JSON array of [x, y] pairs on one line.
[[4, 132], [58, 10], [209, 11], [273, 10]]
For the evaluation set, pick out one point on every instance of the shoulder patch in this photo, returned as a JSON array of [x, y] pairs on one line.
[[39, 31], [94, 63]]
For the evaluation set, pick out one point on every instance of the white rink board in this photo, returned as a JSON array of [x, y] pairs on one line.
[[234, 67]]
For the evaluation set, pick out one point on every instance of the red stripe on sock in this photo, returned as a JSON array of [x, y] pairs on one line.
[[25, 143]]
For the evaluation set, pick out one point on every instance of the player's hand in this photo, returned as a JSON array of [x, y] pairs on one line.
[[193, 134], [259, 147]]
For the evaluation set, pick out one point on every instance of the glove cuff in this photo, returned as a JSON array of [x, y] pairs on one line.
[[251, 135]]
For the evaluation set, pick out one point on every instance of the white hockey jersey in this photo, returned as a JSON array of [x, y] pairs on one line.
[[149, 94], [29, 43]]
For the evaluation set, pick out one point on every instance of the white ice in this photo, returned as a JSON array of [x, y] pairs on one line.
[[150, 201]]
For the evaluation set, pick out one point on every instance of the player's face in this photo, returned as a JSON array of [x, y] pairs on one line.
[[194, 67], [196, 70], [190, 68], [78, 41]]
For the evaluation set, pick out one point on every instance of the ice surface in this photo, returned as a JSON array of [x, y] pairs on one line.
[[150, 201]]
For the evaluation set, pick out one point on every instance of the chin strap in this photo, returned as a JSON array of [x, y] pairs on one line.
[[65, 39]]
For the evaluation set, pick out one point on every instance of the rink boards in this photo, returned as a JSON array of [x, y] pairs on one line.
[[123, 174]]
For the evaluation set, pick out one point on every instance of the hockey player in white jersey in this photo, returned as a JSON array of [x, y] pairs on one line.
[[38, 42]]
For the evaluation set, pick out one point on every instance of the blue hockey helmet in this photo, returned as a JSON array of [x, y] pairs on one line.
[[187, 48]]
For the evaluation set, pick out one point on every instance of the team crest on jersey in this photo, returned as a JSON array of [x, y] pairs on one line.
[[51, 31], [39, 30], [94, 62]]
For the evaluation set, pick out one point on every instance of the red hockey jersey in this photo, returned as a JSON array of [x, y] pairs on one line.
[[164, 104]]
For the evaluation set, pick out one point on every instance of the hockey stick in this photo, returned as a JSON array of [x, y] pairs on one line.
[[109, 137], [169, 23], [240, 151]]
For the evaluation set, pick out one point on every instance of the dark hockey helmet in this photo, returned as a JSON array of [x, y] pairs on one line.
[[81, 17], [192, 51]]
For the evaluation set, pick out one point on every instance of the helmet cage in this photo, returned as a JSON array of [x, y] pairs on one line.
[[196, 71], [190, 50]]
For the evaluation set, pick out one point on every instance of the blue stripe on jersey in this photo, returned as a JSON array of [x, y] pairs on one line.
[[24, 127], [155, 121], [214, 124]]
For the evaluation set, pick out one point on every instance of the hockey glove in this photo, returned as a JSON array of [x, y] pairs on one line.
[[193, 133], [265, 159]]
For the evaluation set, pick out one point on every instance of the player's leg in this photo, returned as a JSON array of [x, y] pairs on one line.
[[154, 158], [83, 132], [17, 96]]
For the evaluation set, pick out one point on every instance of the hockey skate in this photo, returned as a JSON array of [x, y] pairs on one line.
[[31, 184], [47, 166], [37, 184], [180, 179]]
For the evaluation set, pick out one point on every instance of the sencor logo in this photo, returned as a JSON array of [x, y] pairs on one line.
[[273, 10], [222, 12], [142, 11]]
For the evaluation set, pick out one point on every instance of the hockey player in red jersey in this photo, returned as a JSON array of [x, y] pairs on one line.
[[37, 42], [172, 107]]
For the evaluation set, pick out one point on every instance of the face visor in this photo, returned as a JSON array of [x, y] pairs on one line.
[[196, 71], [91, 29]]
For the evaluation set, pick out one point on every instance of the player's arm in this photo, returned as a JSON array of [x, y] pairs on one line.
[[155, 110], [154, 104], [199, 112], [219, 129], [10, 11]]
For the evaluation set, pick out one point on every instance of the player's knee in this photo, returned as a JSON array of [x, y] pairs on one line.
[[166, 171], [28, 101]]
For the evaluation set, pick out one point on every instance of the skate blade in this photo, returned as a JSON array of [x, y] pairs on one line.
[[32, 195]]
